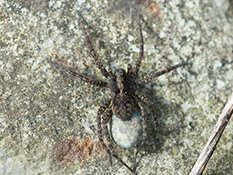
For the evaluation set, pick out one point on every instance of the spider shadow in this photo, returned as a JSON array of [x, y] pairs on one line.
[[164, 111]]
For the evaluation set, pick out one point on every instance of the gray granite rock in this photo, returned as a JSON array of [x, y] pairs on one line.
[[40, 105]]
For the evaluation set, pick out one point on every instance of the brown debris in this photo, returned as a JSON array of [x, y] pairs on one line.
[[154, 9], [152, 6], [69, 150]]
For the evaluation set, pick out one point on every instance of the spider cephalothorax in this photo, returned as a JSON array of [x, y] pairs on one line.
[[121, 87], [124, 97]]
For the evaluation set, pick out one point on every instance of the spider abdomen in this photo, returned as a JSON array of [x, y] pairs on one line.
[[123, 106]]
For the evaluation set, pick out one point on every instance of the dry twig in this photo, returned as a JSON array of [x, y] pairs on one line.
[[214, 138]]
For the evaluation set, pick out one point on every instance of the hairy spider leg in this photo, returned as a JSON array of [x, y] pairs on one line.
[[80, 76], [88, 80], [139, 59], [148, 102], [111, 74], [100, 112], [106, 118], [110, 146], [129, 70], [104, 72], [157, 74], [144, 136]]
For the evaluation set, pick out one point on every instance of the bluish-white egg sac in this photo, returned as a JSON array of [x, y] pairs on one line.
[[126, 133]]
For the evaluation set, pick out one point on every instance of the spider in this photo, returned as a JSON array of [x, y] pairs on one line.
[[124, 96]]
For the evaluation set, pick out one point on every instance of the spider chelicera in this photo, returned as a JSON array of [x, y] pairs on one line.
[[124, 96]]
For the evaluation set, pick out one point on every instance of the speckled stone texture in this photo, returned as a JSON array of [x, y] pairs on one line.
[[40, 105]]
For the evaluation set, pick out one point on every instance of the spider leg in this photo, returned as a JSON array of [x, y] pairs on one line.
[[104, 72], [106, 132], [129, 70], [111, 74], [80, 76], [144, 126], [147, 101], [87, 80], [157, 74], [139, 59], [100, 112]]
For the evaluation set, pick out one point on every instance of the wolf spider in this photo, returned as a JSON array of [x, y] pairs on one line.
[[124, 96]]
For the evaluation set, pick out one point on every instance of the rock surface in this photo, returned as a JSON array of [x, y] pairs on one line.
[[40, 105]]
